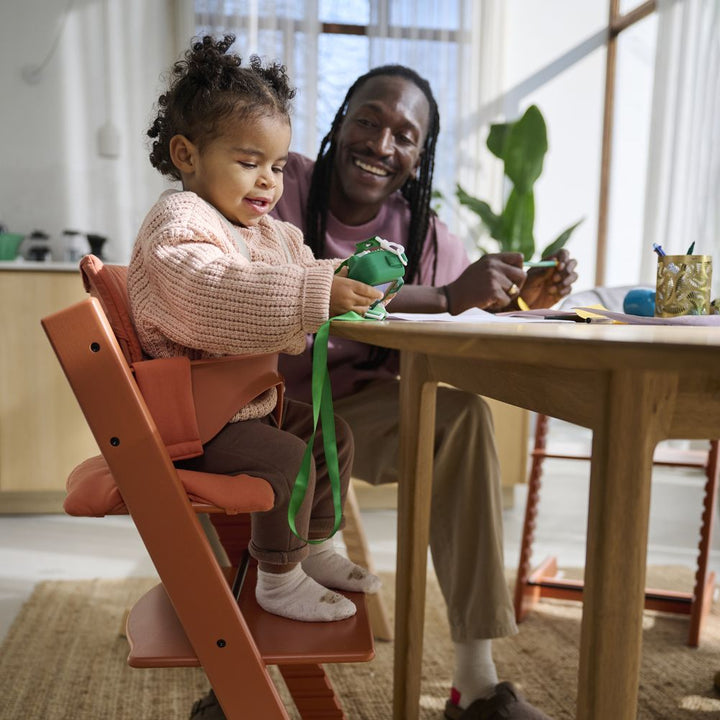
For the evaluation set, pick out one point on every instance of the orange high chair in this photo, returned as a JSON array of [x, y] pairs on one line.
[[143, 414]]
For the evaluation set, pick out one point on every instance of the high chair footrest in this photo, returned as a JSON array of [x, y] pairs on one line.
[[157, 638]]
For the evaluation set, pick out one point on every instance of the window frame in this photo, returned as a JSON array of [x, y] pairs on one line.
[[617, 23]]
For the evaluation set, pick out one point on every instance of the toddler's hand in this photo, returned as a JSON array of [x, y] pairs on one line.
[[347, 294]]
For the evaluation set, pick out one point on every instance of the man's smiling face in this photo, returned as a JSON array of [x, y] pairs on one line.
[[378, 146]]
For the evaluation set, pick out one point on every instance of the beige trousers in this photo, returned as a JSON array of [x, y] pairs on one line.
[[466, 533]]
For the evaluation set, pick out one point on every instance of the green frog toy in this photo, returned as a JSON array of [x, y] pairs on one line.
[[379, 263]]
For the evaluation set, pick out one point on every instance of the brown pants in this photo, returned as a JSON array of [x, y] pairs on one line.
[[261, 448]]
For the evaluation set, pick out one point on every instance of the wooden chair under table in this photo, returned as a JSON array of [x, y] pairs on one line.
[[544, 581]]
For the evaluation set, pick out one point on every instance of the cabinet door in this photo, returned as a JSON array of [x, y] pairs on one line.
[[43, 434]]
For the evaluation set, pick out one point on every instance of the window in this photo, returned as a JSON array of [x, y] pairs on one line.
[[628, 168], [634, 53], [559, 55]]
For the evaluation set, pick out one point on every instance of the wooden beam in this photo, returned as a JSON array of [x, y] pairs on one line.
[[616, 25], [606, 153], [621, 22]]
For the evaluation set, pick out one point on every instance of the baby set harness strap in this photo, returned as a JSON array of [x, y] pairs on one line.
[[322, 410]]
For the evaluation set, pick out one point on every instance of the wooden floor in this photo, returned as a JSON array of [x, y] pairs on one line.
[[44, 547]]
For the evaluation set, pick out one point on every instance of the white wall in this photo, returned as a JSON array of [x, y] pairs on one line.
[[53, 175]]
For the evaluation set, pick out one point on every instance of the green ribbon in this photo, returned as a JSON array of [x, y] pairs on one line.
[[322, 411]]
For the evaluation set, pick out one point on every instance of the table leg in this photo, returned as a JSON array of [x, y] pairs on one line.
[[636, 415], [417, 432]]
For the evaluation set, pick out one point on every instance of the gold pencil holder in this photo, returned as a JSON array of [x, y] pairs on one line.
[[683, 285]]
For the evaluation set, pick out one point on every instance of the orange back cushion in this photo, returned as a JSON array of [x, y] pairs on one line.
[[108, 283]]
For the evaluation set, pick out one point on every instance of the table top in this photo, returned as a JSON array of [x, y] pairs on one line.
[[633, 385], [557, 344]]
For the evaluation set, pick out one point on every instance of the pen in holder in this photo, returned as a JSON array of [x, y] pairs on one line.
[[683, 285]]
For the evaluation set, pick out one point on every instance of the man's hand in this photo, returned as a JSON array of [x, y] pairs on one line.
[[347, 294], [490, 283], [495, 280], [546, 286]]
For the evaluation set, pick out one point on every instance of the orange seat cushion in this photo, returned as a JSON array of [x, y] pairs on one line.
[[92, 492]]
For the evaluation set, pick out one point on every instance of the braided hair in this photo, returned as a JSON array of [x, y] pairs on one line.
[[416, 190], [208, 87]]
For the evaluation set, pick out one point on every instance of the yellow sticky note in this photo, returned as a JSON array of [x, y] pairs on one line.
[[585, 312]]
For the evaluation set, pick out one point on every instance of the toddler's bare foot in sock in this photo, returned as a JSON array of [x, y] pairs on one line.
[[328, 568], [296, 596]]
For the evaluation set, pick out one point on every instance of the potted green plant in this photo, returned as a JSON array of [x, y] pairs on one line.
[[521, 145]]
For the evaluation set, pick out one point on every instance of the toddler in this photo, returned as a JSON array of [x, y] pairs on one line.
[[213, 274]]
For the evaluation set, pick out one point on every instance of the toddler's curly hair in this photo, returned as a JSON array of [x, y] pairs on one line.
[[206, 88]]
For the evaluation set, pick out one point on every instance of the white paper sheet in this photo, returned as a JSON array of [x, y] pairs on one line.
[[474, 315]]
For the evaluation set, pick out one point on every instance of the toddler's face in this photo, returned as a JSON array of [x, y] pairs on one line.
[[240, 172]]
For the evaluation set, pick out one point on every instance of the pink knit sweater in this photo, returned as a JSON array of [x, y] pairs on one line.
[[202, 287]]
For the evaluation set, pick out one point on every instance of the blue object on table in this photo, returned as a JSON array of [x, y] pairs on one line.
[[640, 301]]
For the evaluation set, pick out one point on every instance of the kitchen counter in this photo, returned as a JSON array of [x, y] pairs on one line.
[[24, 265], [43, 434]]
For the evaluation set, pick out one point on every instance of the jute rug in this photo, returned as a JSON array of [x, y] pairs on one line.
[[64, 659]]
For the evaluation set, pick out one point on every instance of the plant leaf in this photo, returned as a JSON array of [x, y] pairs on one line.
[[496, 139], [480, 208], [516, 224], [524, 149], [560, 240]]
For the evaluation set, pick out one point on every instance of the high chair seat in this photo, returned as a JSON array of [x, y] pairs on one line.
[[92, 492]]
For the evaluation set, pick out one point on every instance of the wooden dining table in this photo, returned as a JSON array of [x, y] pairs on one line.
[[632, 385]]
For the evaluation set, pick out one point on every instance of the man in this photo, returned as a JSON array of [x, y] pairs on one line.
[[373, 176]]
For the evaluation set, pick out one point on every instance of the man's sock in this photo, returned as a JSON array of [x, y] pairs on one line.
[[296, 596], [475, 673], [328, 568]]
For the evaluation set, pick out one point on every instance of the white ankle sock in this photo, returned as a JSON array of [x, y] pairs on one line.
[[296, 596], [328, 568], [475, 673]]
